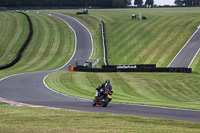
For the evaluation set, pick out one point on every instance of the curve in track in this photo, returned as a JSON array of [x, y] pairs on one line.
[[28, 89]]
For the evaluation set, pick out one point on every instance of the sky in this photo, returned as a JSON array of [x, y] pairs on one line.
[[162, 2]]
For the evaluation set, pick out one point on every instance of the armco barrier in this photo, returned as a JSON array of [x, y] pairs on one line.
[[141, 69], [19, 54]]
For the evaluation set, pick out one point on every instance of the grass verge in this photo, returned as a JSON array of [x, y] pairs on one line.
[[46, 120]]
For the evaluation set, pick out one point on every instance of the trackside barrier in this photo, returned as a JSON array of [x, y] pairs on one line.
[[141, 69], [104, 43], [129, 66], [71, 68], [19, 54]]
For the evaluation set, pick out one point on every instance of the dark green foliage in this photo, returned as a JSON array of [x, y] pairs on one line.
[[149, 3], [187, 2], [138, 2], [64, 3]]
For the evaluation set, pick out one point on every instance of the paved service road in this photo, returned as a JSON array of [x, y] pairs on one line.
[[29, 88], [186, 55]]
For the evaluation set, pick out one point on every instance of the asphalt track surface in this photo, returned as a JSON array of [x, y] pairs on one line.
[[28, 89], [187, 54]]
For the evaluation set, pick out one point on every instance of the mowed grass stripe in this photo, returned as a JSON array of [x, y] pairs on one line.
[[7, 56], [120, 43], [43, 51], [31, 54], [13, 32], [160, 33], [140, 36], [8, 23], [51, 47], [161, 45], [130, 31], [141, 53], [48, 42]]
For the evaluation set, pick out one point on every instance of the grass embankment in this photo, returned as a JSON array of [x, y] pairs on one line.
[[156, 40], [50, 48], [153, 41], [14, 30], [51, 121], [179, 91]]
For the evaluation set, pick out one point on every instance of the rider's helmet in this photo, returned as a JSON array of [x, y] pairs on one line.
[[107, 81]]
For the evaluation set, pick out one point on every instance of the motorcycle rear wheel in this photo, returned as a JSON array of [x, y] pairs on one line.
[[93, 103]]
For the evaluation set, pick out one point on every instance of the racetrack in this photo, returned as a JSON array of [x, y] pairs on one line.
[[29, 88], [187, 54]]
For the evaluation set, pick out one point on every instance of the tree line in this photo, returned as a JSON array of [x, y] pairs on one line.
[[139, 3], [65, 3], [89, 3], [148, 3], [187, 2]]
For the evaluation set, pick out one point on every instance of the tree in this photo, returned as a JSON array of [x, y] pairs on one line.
[[149, 3], [179, 2], [187, 2], [118, 3], [128, 2], [138, 2], [65, 3]]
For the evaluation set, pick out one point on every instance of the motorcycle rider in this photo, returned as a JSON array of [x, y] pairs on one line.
[[104, 86]]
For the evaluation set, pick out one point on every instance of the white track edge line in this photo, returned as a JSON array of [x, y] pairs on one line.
[[194, 58], [183, 47]]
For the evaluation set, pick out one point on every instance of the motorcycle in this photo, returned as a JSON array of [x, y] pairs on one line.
[[104, 99]]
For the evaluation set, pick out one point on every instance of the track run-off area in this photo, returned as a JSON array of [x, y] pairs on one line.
[[29, 89]]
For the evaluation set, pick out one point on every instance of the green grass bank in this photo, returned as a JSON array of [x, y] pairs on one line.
[[25, 120], [50, 48], [159, 89], [14, 30], [156, 40]]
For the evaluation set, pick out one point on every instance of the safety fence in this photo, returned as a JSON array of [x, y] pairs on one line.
[[136, 68], [19, 54]]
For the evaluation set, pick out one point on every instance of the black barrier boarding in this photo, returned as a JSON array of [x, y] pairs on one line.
[[141, 69], [104, 43]]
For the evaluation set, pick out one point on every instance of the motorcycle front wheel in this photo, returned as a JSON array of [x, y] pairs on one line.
[[105, 102]]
